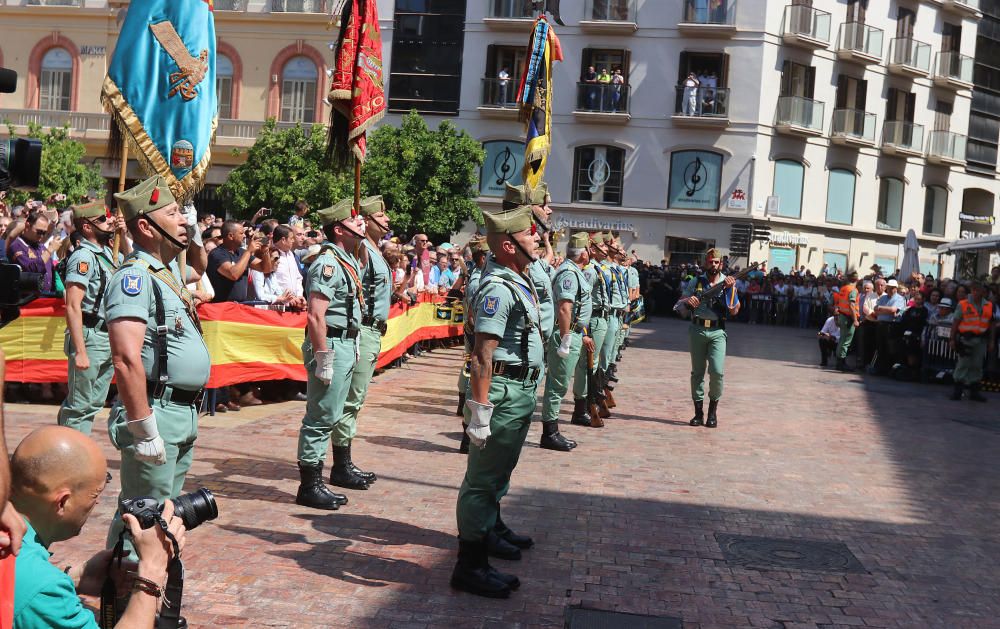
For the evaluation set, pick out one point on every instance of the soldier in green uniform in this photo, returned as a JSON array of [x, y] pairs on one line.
[[707, 336], [161, 361], [88, 272], [634, 294], [480, 253], [334, 306], [600, 294], [506, 365], [376, 280], [571, 293]]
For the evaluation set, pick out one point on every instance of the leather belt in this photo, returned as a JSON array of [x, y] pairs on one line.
[[177, 396], [516, 372], [374, 322], [91, 320], [708, 323], [340, 333], [600, 313]]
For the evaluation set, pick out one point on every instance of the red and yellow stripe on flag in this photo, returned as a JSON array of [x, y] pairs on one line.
[[246, 344]]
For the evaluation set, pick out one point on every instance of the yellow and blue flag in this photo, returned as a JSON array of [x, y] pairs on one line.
[[535, 99], [160, 89]]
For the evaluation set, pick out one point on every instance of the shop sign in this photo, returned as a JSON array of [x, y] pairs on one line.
[[503, 164], [976, 219], [695, 180], [93, 51], [737, 200], [592, 224], [788, 239]]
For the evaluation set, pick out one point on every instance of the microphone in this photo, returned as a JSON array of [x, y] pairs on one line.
[[8, 81]]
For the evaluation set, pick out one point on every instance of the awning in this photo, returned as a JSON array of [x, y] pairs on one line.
[[971, 244]]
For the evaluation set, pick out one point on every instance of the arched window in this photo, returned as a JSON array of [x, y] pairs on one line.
[[890, 204], [840, 197], [598, 174], [788, 180], [224, 85], [55, 82], [935, 210], [298, 90]]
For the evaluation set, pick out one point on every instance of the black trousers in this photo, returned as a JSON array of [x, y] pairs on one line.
[[865, 339], [885, 338], [827, 346]]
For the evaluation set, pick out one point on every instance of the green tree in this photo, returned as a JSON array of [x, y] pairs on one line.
[[429, 179], [62, 170], [283, 166]]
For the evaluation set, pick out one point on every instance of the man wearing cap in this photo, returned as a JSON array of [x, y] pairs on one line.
[[600, 294], [480, 252], [330, 352], [161, 361], [632, 277], [888, 309], [707, 336], [88, 272], [376, 281], [506, 364], [973, 334], [616, 303], [846, 304], [571, 293]]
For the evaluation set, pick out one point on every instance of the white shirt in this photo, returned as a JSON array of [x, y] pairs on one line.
[[265, 287], [503, 76], [830, 327], [286, 275]]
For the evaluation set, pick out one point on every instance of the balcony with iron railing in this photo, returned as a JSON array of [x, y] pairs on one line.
[[603, 102], [953, 70], [510, 15], [860, 43], [909, 57], [701, 19], [609, 16], [853, 127], [945, 147], [498, 98], [298, 6], [900, 137], [797, 115], [806, 27], [701, 107]]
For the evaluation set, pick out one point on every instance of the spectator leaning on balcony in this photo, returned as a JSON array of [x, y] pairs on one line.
[[617, 85], [689, 101], [503, 80]]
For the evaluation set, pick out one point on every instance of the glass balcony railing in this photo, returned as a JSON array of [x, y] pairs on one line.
[[602, 97], [55, 3], [969, 5], [854, 123], [807, 22], [511, 9], [954, 66], [903, 135], [709, 12], [230, 5], [500, 93], [910, 53], [797, 111], [702, 102], [298, 6], [610, 10], [946, 145], [861, 38]]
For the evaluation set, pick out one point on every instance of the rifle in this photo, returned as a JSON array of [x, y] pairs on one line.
[[595, 393], [712, 293]]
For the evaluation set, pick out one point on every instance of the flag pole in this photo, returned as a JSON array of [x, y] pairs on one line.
[[121, 188]]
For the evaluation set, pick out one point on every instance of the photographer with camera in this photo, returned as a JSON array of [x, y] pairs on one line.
[[229, 264], [58, 475], [26, 243]]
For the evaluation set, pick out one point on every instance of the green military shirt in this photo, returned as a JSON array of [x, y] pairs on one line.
[[618, 299], [498, 313], [471, 286], [599, 284], [633, 277], [377, 282], [44, 596], [539, 272], [130, 294], [87, 266], [327, 277], [700, 284], [571, 284]]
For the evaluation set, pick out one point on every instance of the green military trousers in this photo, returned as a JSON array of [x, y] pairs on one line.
[[559, 370], [178, 427], [598, 332], [488, 469], [609, 346], [969, 368], [370, 340], [708, 348], [325, 402], [88, 389], [846, 325]]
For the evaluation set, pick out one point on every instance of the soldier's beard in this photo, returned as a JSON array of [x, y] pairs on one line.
[[103, 237]]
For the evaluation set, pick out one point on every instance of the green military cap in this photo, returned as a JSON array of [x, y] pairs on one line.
[[92, 209], [340, 211], [508, 221], [596, 238], [372, 205], [515, 196], [145, 197], [539, 195], [579, 240], [478, 244]]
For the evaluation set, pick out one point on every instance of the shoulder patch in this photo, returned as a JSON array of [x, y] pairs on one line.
[[131, 284], [567, 283], [327, 271], [82, 268], [491, 304]]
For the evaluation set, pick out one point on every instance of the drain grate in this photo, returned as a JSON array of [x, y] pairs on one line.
[[768, 553], [580, 618]]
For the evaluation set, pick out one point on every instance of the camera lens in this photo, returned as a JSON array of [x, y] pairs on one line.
[[197, 507], [20, 163]]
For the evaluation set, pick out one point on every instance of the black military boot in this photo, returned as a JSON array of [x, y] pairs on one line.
[[580, 415], [341, 474], [500, 548], [552, 439], [313, 492], [461, 405], [501, 529], [463, 447], [957, 393], [369, 477], [699, 414], [473, 573], [974, 393], [613, 372], [713, 419], [843, 366]]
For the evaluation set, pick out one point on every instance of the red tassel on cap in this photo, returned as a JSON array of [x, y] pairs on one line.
[[354, 213], [155, 197]]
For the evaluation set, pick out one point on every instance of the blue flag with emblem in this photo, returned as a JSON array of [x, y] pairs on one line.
[[160, 90]]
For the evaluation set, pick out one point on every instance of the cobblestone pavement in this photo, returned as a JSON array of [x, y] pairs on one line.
[[900, 483]]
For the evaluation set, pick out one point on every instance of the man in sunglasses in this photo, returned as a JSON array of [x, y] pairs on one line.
[[87, 347], [28, 250]]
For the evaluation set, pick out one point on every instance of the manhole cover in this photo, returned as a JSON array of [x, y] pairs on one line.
[[768, 553], [579, 618]]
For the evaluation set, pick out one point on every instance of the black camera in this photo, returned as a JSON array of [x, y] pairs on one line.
[[193, 509], [17, 288], [20, 160]]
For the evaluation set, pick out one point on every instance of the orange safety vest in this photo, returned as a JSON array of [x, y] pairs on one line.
[[974, 322], [842, 299]]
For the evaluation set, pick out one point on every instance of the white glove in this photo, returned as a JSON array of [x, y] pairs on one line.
[[148, 444], [324, 365], [563, 350], [192, 220], [479, 422]]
